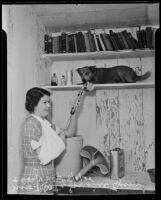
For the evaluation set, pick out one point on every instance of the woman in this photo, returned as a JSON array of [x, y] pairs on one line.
[[38, 173], [42, 142]]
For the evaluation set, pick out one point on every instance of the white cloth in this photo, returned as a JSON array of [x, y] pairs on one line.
[[51, 144]]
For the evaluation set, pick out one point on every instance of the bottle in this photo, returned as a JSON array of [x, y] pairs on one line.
[[69, 77], [63, 81], [54, 80]]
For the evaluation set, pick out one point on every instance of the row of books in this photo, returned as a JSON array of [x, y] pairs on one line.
[[91, 41]]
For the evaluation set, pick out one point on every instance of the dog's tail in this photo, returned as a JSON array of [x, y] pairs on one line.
[[143, 77]]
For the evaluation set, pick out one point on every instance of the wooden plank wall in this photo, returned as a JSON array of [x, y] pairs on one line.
[[113, 118]]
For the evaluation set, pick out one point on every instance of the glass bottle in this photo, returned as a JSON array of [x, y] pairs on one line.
[[63, 81], [54, 80]]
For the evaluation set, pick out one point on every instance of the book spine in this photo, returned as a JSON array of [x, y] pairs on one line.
[[108, 41], [54, 43], [63, 42], [75, 43], [143, 38], [67, 43], [149, 37], [50, 47], [95, 40], [119, 42], [46, 49], [124, 40], [114, 42], [134, 45], [153, 37], [80, 42], [139, 39], [101, 41], [58, 44], [127, 39], [83, 42], [87, 42], [91, 41]]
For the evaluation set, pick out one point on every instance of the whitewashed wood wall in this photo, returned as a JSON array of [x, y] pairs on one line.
[[113, 118], [25, 69]]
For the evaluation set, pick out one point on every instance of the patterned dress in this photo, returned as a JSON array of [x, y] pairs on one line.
[[35, 178]]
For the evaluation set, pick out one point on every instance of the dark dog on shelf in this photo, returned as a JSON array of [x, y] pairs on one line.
[[116, 74]]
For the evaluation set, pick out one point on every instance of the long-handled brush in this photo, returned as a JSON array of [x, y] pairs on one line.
[[76, 104]]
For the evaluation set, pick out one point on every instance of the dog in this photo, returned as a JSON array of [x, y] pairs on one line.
[[116, 74]]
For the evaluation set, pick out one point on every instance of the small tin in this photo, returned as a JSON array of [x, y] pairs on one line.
[[117, 163]]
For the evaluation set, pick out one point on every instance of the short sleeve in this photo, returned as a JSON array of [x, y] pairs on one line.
[[32, 131]]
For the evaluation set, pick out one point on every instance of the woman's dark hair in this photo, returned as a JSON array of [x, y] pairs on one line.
[[33, 97]]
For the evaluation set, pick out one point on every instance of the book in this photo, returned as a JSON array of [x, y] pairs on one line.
[[103, 40], [133, 41], [99, 43], [81, 42], [46, 50], [91, 41], [148, 31], [69, 43], [50, 47], [78, 43], [95, 40], [124, 40], [143, 38], [153, 37], [87, 43], [126, 36], [138, 33], [63, 42], [54, 43], [75, 43], [113, 39], [119, 41], [73, 49], [59, 44], [108, 41]]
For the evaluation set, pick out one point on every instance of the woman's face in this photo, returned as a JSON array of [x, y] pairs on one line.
[[42, 109]]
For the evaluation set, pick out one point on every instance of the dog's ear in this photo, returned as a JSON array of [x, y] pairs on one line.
[[78, 70], [92, 68]]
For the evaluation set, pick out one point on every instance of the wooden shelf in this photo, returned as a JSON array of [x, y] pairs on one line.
[[131, 181], [137, 85], [99, 55]]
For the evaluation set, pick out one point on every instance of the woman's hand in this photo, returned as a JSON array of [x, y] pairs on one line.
[[62, 134]]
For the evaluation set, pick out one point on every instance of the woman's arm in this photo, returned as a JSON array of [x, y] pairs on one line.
[[71, 127]]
